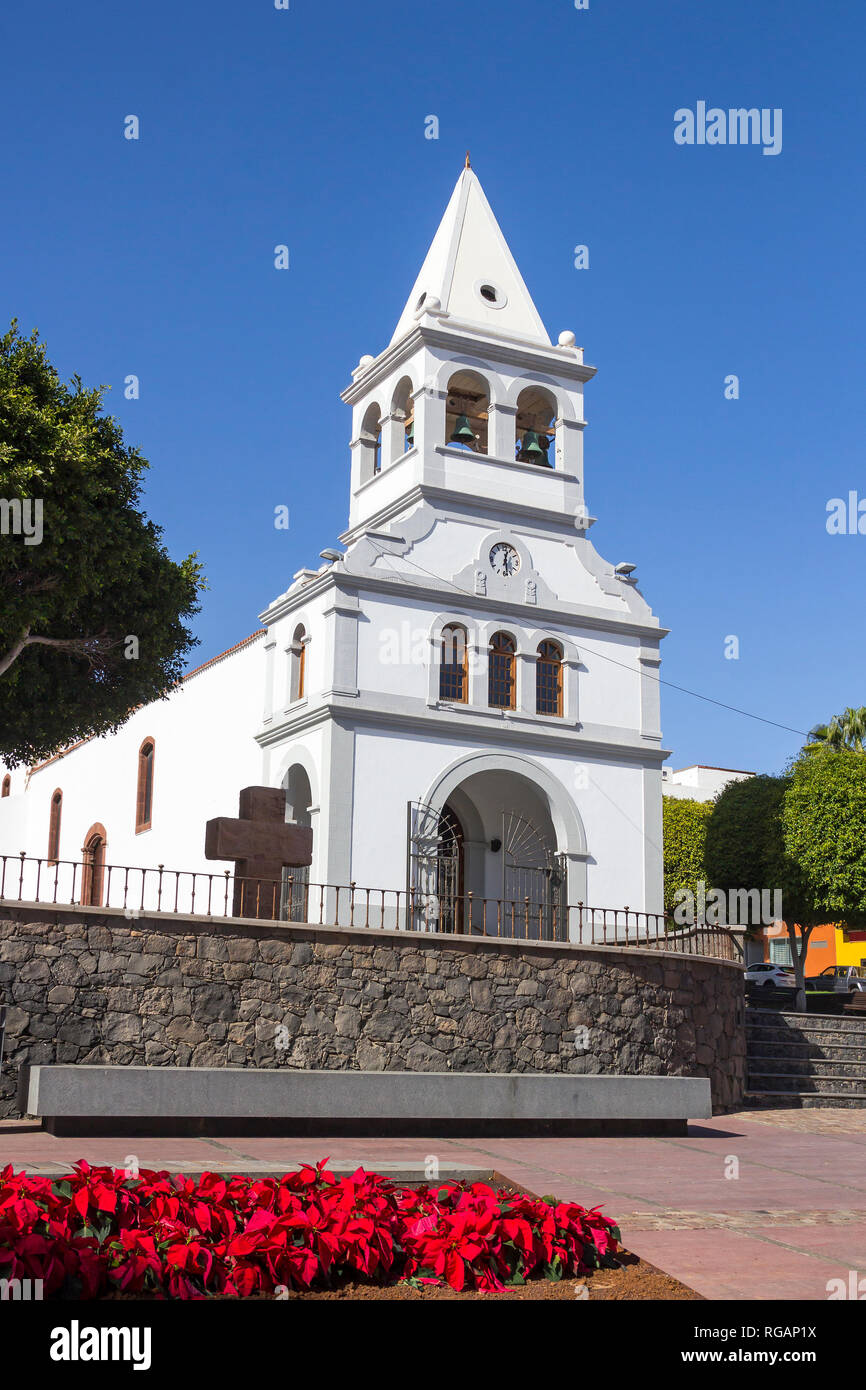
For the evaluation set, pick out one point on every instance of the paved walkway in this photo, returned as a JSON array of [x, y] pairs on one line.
[[748, 1206]]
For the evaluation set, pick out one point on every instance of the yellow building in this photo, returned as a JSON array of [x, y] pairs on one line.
[[850, 947]]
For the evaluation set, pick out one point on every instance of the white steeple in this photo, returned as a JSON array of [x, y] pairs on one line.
[[472, 273]]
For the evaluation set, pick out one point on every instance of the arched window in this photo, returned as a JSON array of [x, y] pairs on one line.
[[466, 411], [501, 683], [93, 854], [54, 827], [403, 407], [144, 788], [298, 664], [548, 679], [7, 785], [536, 427], [371, 443], [453, 668]]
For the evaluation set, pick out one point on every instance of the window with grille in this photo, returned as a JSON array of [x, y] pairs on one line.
[[453, 673], [144, 790], [501, 678], [548, 679], [780, 952]]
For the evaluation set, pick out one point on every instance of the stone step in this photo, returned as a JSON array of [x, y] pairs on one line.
[[812, 1085], [806, 1050], [806, 1066], [787, 1037], [802, 1100], [765, 1030], [772, 1018]]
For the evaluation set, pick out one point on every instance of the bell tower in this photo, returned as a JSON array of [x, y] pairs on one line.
[[471, 396], [476, 670]]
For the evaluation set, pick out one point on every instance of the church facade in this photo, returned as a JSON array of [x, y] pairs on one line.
[[463, 700]]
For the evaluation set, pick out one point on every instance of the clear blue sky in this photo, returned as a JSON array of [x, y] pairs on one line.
[[306, 127]]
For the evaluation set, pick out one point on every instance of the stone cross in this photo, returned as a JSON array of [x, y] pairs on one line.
[[262, 843]]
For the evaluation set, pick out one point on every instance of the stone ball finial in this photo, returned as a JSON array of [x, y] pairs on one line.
[[366, 360], [567, 338]]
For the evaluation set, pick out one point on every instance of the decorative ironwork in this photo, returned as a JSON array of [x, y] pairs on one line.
[[534, 877], [435, 886]]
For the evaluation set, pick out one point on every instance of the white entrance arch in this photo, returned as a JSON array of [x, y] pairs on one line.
[[565, 817]]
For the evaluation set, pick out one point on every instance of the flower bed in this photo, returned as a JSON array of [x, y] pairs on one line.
[[97, 1231]]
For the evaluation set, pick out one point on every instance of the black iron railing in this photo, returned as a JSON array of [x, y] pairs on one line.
[[138, 890]]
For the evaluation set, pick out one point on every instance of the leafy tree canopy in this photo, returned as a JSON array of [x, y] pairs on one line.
[[745, 846], [92, 612], [846, 730], [685, 832], [824, 822]]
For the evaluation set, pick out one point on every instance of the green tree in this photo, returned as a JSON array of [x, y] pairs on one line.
[[685, 832], [846, 730], [92, 607], [824, 821], [746, 853]]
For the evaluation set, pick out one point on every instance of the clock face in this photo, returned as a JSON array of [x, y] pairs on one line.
[[504, 559]]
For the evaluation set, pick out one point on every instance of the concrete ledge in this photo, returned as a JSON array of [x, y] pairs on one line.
[[78, 1099]]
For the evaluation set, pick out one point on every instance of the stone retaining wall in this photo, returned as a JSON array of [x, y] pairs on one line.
[[88, 985]]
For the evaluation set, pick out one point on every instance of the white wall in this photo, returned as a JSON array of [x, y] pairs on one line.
[[205, 754]]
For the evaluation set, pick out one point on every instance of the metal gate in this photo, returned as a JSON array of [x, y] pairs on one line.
[[534, 881], [435, 862], [294, 895]]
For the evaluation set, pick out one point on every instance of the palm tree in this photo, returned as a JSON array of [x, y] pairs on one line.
[[845, 731]]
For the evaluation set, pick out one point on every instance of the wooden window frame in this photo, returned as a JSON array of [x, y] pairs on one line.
[[454, 674], [55, 817], [142, 822], [497, 682], [93, 868], [548, 689]]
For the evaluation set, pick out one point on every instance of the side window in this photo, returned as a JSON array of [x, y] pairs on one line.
[[144, 787]]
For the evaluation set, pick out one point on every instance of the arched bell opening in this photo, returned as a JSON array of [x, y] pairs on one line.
[[298, 664], [370, 440], [466, 412], [536, 426], [403, 411]]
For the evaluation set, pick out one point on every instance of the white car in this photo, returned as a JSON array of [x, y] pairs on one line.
[[771, 976]]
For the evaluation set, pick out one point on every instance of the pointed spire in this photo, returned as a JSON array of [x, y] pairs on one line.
[[472, 273]]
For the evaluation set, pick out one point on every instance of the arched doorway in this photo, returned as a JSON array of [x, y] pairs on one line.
[[294, 903], [93, 871], [523, 854]]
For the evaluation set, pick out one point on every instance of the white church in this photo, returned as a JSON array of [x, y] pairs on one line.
[[462, 701]]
